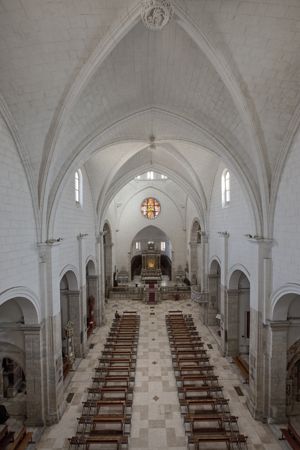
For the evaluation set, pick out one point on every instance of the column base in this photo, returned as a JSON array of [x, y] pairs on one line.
[[254, 411], [34, 422]]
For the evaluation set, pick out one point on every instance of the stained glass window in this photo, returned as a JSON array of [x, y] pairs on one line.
[[150, 208]]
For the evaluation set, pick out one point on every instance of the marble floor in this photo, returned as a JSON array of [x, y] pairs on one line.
[[156, 420]]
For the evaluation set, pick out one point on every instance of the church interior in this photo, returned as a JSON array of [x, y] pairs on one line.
[[150, 268]]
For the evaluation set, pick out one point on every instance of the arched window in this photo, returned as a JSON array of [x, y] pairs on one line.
[[225, 188], [78, 187]]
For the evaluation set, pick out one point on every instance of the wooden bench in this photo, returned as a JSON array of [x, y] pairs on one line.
[[186, 345], [120, 345], [20, 440], [204, 379], [111, 393], [116, 353], [182, 362], [184, 355], [205, 406], [197, 439], [95, 406], [187, 370], [205, 421], [108, 361], [198, 354], [291, 436], [189, 366], [200, 392], [114, 379], [95, 442]]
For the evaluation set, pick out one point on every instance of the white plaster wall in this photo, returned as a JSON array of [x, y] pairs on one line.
[[131, 222], [191, 214], [286, 249], [71, 220], [18, 240], [236, 219], [111, 219]]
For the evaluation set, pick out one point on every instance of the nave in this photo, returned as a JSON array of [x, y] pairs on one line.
[[157, 423]]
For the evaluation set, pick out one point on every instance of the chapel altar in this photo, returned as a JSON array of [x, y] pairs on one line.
[[151, 270]]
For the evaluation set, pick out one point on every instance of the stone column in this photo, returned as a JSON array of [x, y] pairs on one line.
[[93, 290], [260, 289], [108, 264], [231, 336], [33, 373], [213, 282], [82, 287], [52, 369], [223, 287], [75, 316], [100, 311], [129, 267], [173, 267], [193, 262], [1, 379], [278, 335]]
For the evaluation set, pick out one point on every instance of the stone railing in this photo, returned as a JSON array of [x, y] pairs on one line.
[[175, 293], [126, 292], [198, 296]]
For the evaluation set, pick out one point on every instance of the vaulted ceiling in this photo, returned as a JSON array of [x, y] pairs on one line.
[[87, 83]]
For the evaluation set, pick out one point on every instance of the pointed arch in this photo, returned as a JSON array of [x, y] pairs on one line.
[[219, 63]]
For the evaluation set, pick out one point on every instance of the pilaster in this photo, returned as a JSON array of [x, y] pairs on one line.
[[82, 287], [33, 365], [260, 288], [277, 370], [231, 343], [51, 353]]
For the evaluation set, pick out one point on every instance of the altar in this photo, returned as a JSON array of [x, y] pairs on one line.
[[151, 270]]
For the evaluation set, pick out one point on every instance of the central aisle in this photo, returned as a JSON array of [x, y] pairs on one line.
[[156, 420]]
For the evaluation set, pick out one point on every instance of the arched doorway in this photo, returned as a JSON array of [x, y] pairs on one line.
[[107, 253], [293, 379], [194, 253], [21, 360], [71, 314], [238, 317], [91, 297], [13, 379], [284, 355], [293, 358]]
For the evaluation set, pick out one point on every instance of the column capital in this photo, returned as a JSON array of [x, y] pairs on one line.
[[212, 276], [31, 329], [224, 234], [92, 277], [70, 293], [81, 236], [232, 292], [45, 248], [278, 325], [259, 240]]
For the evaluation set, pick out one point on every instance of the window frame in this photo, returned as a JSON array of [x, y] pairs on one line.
[[226, 188], [78, 187]]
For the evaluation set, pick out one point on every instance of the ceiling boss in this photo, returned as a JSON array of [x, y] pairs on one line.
[[156, 13]]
